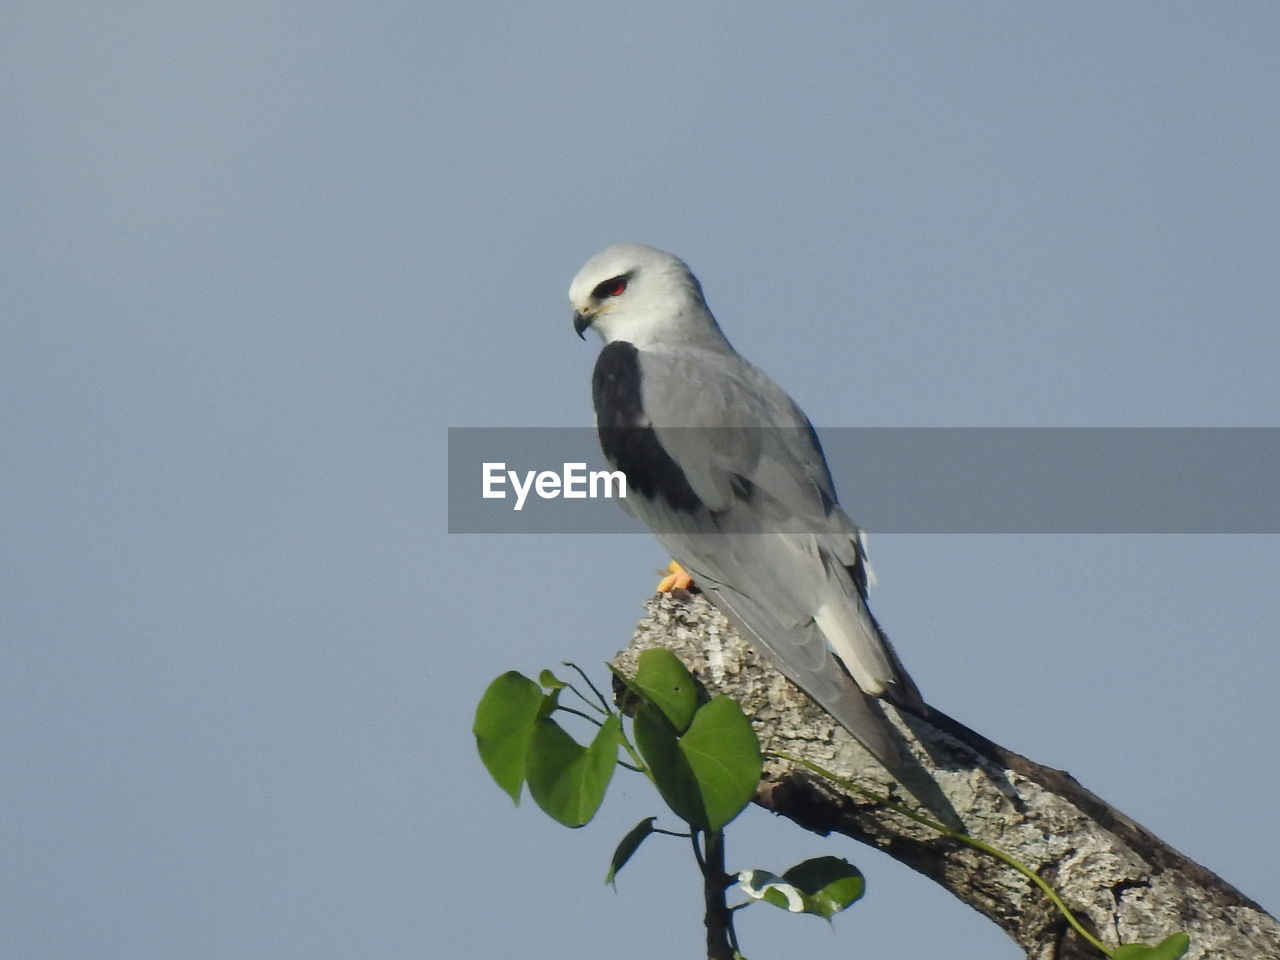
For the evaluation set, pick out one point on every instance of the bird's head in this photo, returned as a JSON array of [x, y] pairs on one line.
[[639, 294]]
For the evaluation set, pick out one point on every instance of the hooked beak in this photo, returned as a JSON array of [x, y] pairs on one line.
[[580, 323]]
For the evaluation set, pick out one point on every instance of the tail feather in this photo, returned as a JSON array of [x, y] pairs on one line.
[[835, 691], [829, 684], [857, 640]]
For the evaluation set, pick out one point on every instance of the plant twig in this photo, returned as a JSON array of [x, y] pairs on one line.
[[604, 704], [964, 838], [578, 713], [719, 918]]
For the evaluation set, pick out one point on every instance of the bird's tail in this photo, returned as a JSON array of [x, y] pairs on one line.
[[826, 682], [865, 651], [831, 686]]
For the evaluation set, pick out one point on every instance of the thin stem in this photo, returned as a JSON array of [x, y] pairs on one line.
[[1035, 878], [697, 851], [604, 704], [578, 693], [733, 934], [579, 713], [635, 757], [964, 838]]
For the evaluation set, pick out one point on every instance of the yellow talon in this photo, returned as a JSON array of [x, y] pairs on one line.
[[677, 579]]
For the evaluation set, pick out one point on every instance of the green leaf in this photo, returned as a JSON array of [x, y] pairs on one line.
[[550, 681], [1170, 948], [568, 780], [674, 777], [822, 886], [503, 725], [771, 888], [708, 775], [830, 884], [666, 683], [628, 845], [723, 751], [782, 895]]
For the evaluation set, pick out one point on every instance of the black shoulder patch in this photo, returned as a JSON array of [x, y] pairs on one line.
[[627, 439]]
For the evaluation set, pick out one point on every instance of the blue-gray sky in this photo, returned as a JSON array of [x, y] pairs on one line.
[[255, 258]]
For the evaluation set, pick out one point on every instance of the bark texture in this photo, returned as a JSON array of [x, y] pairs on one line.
[[1120, 880]]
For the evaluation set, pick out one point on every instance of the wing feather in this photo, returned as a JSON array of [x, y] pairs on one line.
[[766, 539]]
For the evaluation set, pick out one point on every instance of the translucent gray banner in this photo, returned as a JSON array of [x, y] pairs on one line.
[[909, 480]]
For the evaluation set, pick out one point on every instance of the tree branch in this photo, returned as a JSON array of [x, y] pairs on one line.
[[1125, 884]]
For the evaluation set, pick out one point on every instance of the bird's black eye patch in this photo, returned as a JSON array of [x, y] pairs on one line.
[[613, 287]]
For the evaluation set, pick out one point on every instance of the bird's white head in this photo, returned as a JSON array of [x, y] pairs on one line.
[[642, 295]]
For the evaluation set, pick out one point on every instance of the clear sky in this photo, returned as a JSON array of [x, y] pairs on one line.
[[256, 257]]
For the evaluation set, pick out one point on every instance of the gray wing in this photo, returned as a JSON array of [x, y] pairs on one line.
[[764, 536]]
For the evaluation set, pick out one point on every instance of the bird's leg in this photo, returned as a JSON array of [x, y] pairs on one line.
[[677, 579]]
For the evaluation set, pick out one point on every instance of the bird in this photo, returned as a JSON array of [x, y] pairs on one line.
[[729, 474]]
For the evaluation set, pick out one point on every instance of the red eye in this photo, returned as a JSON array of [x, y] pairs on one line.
[[613, 287]]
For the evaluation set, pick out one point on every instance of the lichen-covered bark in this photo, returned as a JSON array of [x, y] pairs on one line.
[[1124, 883]]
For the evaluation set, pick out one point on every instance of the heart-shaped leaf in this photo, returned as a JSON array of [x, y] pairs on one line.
[[568, 780], [659, 745], [503, 725], [724, 752], [710, 773], [830, 884], [822, 886]]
